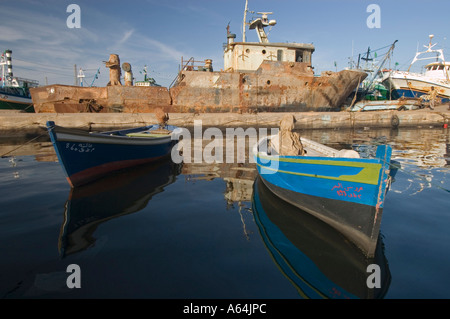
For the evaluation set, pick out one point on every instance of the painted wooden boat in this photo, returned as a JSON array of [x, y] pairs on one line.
[[346, 192], [383, 105], [316, 259], [87, 156]]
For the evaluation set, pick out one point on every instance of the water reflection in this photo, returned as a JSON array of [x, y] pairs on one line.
[[239, 178], [121, 193], [315, 258]]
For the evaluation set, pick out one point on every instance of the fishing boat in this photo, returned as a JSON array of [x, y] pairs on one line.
[[257, 76], [401, 104], [87, 156], [412, 85], [316, 259], [14, 91], [339, 187], [371, 87]]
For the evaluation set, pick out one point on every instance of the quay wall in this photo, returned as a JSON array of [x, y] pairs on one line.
[[16, 124]]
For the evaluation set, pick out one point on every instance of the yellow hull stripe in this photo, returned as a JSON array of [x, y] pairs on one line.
[[368, 175]]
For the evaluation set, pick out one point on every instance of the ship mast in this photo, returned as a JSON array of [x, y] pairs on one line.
[[429, 49], [244, 24], [7, 78]]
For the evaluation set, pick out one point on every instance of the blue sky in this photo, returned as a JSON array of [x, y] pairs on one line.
[[158, 33]]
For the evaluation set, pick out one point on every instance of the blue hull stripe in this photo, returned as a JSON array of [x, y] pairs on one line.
[[321, 187], [408, 93], [359, 181]]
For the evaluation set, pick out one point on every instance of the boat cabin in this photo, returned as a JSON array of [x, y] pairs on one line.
[[439, 70], [248, 56]]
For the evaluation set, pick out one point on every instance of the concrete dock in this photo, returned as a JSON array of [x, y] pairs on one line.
[[17, 124]]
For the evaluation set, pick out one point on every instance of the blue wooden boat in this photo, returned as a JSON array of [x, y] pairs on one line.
[[346, 192], [316, 259], [87, 156]]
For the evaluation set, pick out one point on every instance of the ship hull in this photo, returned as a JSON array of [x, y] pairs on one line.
[[11, 102], [408, 85], [274, 87]]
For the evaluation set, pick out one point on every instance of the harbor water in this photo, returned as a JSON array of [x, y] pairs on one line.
[[195, 231]]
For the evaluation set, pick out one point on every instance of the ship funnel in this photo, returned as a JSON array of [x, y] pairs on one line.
[[231, 38]]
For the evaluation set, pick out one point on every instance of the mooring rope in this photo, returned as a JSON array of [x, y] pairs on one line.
[[27, 142], [37, 137]]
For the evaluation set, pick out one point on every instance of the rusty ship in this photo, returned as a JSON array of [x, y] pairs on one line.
[[258, 76]]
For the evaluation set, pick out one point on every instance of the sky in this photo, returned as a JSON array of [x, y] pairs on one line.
[[158, 34]]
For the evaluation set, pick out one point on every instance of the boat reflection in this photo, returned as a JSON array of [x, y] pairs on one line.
[[316, 259], [120, 193]]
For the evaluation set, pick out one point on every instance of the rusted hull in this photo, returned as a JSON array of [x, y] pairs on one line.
[[274, 87], [110, 99]]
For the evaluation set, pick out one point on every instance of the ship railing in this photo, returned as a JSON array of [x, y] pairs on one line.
[[191, 65], [30, 83]]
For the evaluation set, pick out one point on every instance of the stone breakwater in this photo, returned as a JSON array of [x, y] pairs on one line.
[[16, 124]]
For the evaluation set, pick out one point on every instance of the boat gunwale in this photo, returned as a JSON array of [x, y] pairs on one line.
[[64, 134]]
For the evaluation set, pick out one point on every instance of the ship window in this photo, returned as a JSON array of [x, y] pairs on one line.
[[440, 67], [247, 51], [299, 56], [279, 55], [263, 51]]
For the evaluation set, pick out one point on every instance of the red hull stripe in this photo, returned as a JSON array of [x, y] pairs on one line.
[[96, 172]]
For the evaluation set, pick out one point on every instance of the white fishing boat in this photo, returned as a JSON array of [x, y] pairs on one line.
[[412, 85], [14, 91]]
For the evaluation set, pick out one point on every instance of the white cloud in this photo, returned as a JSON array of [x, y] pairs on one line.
[[125, 37], [45, 49]]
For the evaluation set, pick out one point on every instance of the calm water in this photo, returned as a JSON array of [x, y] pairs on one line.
[[166, 231]]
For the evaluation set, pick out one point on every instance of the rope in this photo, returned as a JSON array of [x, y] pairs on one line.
[[15, 149], [356, 93], [13, 106]]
